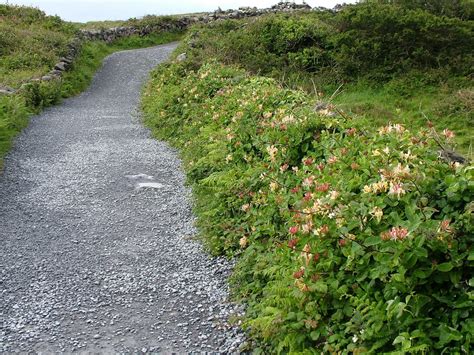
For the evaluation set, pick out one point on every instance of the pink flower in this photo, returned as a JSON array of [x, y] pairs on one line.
[[396, 189], [448, 134], [332, 160], [396, 233], [293, 229]]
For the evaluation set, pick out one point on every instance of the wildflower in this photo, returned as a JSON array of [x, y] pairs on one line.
[[445, 227], [267, 115], [273, 186], [306, 228], [308, 161], [385, 130], [323, 187], [396, 233], [230, 136], [398, 128], [293, 230], [376, 153], [292, 243], [284, 168], [321, 231], [332, 160], [295, 190], [288, 119], [308, 181], [401, 172], [301, 286], [396, 189], [295, 169], [386, 150], [299, 274], [342, 242], [272, 151], [307, 196], [367, 189], [351, 131], [355, 338], [448, 134], [333, 195], [355, 166], [245, 207], [243, 242], [377, 213], [228, 158], [316, 257]]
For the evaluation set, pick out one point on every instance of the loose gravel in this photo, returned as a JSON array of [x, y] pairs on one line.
[[97, 252]]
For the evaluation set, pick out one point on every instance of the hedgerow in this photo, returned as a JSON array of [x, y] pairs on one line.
[[350, 238]]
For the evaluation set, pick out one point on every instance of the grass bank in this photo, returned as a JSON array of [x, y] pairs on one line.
[[350, 237], [353, 234]]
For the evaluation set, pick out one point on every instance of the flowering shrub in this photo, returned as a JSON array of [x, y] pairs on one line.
[[350, 238]]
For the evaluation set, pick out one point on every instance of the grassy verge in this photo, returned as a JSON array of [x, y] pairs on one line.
[[16, 109], [351, 238]]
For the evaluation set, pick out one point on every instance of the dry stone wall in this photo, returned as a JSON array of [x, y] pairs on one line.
[[174, 24]]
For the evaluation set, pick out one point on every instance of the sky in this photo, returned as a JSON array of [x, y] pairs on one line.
[[94, 10]]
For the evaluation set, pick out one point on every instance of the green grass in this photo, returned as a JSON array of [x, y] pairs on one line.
[[445, 106], [30, 43]]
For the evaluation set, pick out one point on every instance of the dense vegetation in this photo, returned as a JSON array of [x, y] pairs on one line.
[[351, 238], [395, 63], [30, 44]]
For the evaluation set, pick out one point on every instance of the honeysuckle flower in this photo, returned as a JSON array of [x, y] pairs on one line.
[[397, 189], [288, 119], [323, 187], [299, 274], [333, 195], [398, 128], [321, 231], [448, 134], [351, 131], [272, 151], [401, 172], [307, 227], [243, 242], [293, 229], [377, 213], [308, 181], [396, 233], [292, 243], [445, 227], [267, 115]]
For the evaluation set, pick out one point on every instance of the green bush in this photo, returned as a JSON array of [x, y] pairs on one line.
[[352, 239]]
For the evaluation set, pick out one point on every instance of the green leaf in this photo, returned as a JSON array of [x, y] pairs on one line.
[[321, 287], [372, 241], [445, 267]]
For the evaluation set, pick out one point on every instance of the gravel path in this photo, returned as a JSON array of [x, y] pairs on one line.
[[96, 229]]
